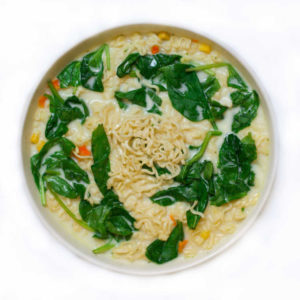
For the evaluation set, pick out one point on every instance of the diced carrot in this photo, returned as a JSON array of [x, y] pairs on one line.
[[84, 151], [173, 220], [195, 41], [42, 101], [181, 245], [155, 49], [55, 83]]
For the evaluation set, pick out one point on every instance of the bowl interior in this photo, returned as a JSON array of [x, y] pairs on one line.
[[75, 245]]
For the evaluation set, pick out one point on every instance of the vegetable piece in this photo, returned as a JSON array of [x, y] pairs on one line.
[[163, 36], [236, 175], [161, 252], [189, 193], [101, 152], [35, 138], [247, 113], [126, 66], [182, 245], [160, 170], [70, 75], [150, 65], [248, 100], [40, 145], [198, 155], [54, 166], [173, 220], [56, 84], [205, 234], [104, 248], [70, 213], [205, 48], [92, 69], [138, 97], [186, 93], [109, 218], [42, 101], [63, 112], [84, 151], [154, 49]]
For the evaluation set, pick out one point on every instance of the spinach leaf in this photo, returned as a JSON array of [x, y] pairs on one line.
[[88, 72], [238, 97], [210, 86], [149, 65], [61, 186], [192, 215], [248, 100], [92, 69], [70, 75], [138, 97], [126, 66], [63, 112], [197, 156], [217, 110], [186, 93], [163, 251], [54, 166], [101, 152], [160, 170], [109, 218], [236, 175], [189, 193], [235, 80], [247, 113]]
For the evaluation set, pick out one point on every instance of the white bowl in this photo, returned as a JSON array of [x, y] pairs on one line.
[[75, 245]]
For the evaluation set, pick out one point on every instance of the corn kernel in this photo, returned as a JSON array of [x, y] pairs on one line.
[[35, 138], [164, 36], [205, 234], [40, 145], [205, 48]]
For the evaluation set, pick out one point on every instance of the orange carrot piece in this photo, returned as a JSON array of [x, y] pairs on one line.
[[173, 220], [155, 49], [84, 151], [42, 101], [55, 83], [195, 41], [181, 245]]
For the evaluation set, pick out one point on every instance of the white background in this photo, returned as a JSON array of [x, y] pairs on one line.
[[264, 264]]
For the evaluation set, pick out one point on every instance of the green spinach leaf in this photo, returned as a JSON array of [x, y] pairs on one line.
[[70, 75], [126, 66], [236, 175], [160, 251], [101, 152], [109, 218], [247, 113]]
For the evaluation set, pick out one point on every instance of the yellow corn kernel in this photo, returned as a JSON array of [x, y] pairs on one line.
[[35, 138], [40, 145], [205, 48], [164, 36], [205, 234]]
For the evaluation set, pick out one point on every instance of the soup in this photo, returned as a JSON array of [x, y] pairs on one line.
[[150, 147]]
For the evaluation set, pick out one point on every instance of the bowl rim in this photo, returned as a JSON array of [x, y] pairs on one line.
[[166, 268]]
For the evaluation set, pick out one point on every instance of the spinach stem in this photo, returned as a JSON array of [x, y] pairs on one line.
[[68, 211], [55, 92], [107, 54], [109, 245], [42, 192], [200, 153], [209, 66]]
